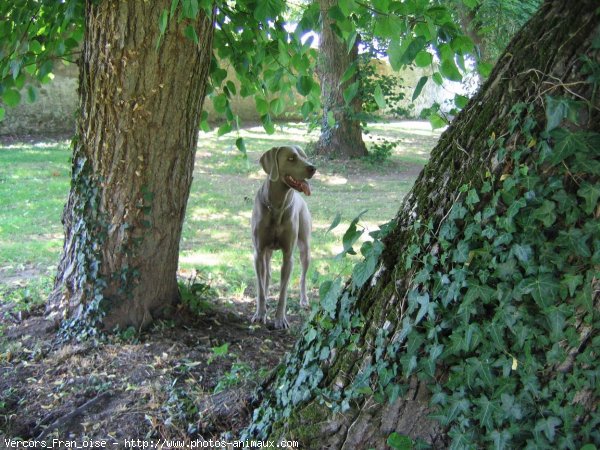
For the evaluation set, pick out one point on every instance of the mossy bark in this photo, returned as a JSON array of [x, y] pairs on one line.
[[133, 157], [544, 58], [344, 139]]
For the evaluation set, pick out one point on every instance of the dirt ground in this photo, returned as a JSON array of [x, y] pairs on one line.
[[175, 381]]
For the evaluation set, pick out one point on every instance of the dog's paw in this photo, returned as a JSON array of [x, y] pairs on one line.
[[259, 317], [281, 324]]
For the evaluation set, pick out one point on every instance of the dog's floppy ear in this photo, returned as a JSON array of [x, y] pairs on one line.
[[269, 163], [300, 151]]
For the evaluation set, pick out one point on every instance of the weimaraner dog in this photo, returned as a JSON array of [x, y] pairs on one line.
[[280, 221]]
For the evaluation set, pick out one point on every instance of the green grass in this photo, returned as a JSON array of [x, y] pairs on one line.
[[34, 183]]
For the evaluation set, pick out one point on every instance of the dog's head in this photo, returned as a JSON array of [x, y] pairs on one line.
[[289, 165]]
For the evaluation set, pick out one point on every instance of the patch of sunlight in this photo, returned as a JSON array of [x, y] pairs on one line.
[[332, 180], [201, 259]]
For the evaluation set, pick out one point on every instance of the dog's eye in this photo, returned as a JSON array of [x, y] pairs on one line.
[[292, 158]]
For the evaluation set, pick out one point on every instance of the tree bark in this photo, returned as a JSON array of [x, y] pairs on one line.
[[303, 402], [344, 139], [133, 157]]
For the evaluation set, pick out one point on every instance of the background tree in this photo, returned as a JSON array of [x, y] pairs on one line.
[[473, 319], [130, 178], [341, 131]]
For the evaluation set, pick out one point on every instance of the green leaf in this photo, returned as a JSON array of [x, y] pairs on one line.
[[350, 92], [545, 213], [262, 107], [415, 46], [277, 106], [241, 145], [11, 97], [162, 21], [449, 70], [462, 44], [349, 73], [567, 143], [419, 88], [190, 33], [2, 114], [330, 119], [543, 288], [304, 85], [548, 426], [400, 441], [575, 241], [590, 193], [556, 321], [351, 236], [268, 123], [437, 121], [485, 69], [423, 59], [486, 411], [379, 99], [572, 282], [31, 94], [479, 292], [556, 111], [335, 222], [437, 78], [461, 101], [174, 4]]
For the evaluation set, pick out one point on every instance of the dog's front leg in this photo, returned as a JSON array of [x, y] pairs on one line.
[[286, 270], [261, 268]]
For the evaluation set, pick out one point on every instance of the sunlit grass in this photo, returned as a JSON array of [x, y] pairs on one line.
[[216, 242]]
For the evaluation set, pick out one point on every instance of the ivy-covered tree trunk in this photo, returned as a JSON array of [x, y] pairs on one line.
[[342, 136], [473, 320], [133, 156]]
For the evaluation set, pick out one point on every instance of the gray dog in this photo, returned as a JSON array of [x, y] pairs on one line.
[[280, 221]]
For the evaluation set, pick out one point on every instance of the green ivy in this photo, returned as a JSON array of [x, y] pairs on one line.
[[500, 298]]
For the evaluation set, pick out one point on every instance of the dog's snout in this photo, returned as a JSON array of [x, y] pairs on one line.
[[311, 169]]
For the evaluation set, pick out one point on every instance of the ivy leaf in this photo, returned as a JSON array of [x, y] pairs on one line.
[[399, 441], [556, 321], [567, 143], [575, 241], [548, 427], [479, 292], [545, 213], [329, 292], [522, 252], [572, 282], [543, 289], [590, 193], [486, 411]]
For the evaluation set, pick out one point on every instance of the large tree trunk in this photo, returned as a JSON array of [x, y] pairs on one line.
[[343, 139], [133, 158], [351, 382]]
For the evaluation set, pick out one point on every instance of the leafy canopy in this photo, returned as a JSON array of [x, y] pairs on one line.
[[258, 50]]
